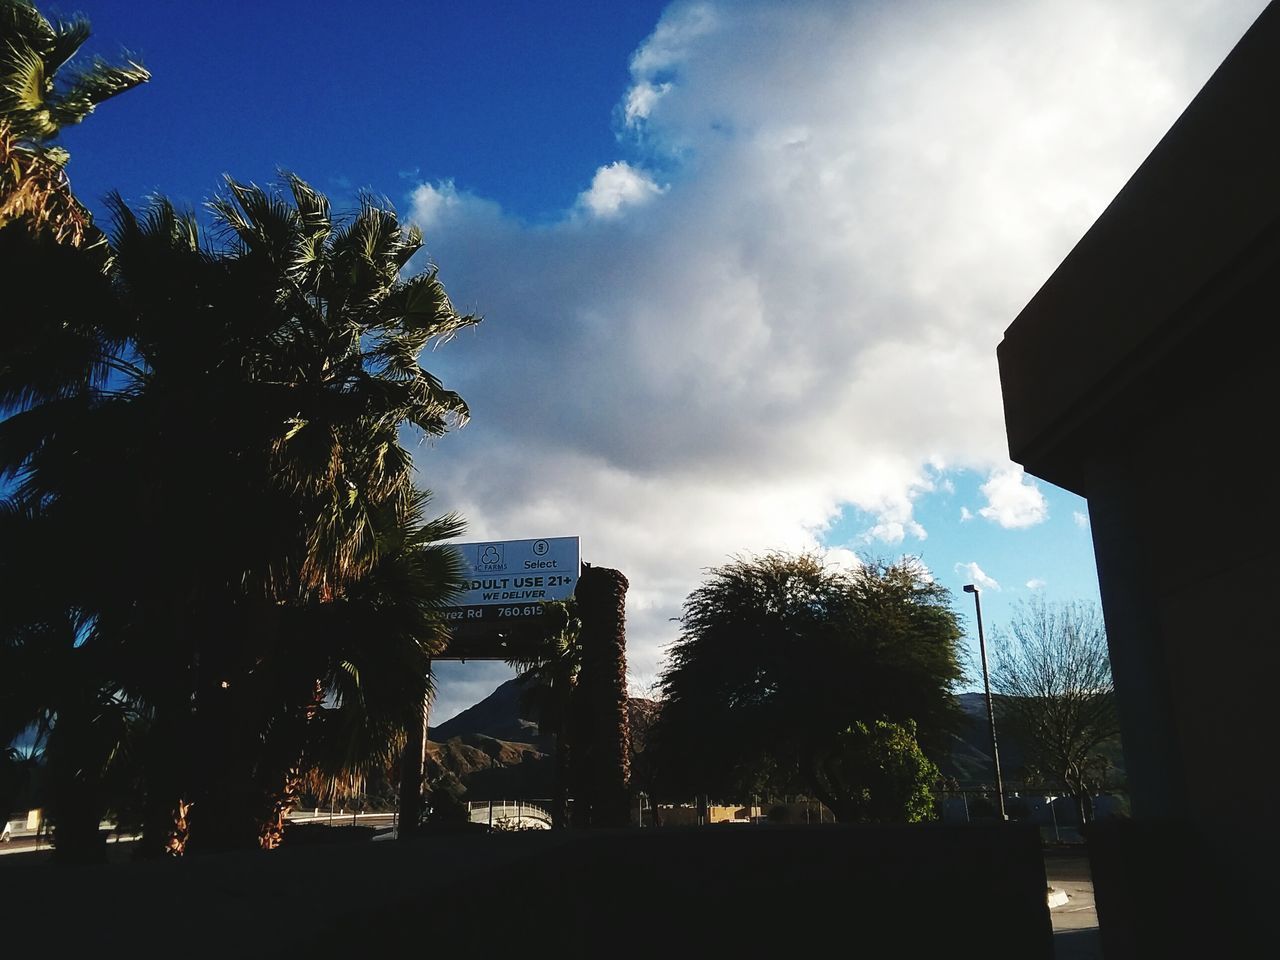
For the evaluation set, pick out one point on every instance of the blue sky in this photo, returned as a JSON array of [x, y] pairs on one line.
[[511, 100], [743, 265]]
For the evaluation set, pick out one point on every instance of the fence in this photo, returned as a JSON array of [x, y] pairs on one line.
[[1057, 814], [511, 814]]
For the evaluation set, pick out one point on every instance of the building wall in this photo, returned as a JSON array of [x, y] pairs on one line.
[[1142, 376]]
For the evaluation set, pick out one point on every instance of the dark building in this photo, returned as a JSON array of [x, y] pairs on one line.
[[1143, 376]]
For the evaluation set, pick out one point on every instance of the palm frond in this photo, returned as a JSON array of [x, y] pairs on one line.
[[421, 305], [24, 93], [19, 19], [313, 206], [37, 95], [34, 187], [261, 220], [68, 36], [90, 86], [162, 226]]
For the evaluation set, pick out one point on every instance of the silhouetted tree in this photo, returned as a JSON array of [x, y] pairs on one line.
[[1052, 669], [247, 397], [549, 666], [786, 671], [301, 357], [57, 327], [877, 772], [574, 677]]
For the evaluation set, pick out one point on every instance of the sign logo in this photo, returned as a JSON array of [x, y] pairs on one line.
[[490, 557]]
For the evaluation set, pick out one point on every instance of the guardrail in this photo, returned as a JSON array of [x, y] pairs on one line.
[[339, 817], [517, 813], [499, 813]]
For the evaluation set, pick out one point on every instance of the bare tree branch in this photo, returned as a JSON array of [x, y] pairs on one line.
[[1052, 671]]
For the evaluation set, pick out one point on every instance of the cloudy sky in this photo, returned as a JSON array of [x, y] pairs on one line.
[[743, 266]]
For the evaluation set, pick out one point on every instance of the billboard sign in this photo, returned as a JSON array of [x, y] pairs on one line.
[[507, 580]]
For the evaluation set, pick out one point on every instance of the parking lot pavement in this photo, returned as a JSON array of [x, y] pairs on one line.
[[1075, 920]]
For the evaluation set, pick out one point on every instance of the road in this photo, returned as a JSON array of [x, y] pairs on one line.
[[26, 841], [30, 843], [1075, 923], [23, 844]]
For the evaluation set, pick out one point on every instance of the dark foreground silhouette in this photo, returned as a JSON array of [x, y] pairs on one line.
[[953, 890]]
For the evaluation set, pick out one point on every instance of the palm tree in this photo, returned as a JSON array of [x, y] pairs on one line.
[[32, 98], [304, 362], [50, 364], [39, 95], [549, 669], [330, 366], [234, 436], [575, 684], [376, 642], [53, 683]]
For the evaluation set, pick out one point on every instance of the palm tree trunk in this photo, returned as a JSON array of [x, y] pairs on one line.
[[560, 803], [225, 811], [76, 805], [600, 751], [411, 771], [164, 815], [280, 769]]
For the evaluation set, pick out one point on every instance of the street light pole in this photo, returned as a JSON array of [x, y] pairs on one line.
[[991, 716]]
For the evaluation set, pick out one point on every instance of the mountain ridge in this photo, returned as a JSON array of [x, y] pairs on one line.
[[490, 737]]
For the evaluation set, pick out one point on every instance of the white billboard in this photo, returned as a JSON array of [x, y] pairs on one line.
[[515, 576]]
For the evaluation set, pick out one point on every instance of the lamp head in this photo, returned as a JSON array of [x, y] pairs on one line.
[[970, 588]]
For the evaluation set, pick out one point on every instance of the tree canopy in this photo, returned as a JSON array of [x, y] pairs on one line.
[[206, 442], [1052, 670], [40, 93], [781, 658]]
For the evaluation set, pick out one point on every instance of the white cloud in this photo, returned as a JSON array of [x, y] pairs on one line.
[[894, 531], [669, 46], [858, 199], [1013, 499], [843, 559], [972, 573], [1036, 584], [641, 99], [444, 207], [965, 514], [1081, 519], [615, 186], [672, 45]]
